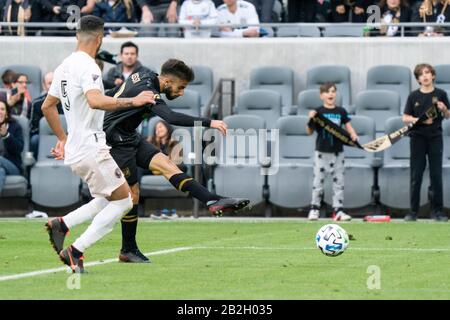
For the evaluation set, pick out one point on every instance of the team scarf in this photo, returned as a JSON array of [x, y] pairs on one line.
[[377, 145]]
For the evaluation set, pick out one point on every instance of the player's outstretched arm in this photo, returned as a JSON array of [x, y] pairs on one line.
[[181, 119], [97, 100]]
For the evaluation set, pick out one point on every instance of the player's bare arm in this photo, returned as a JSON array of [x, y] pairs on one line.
[[97, 100]]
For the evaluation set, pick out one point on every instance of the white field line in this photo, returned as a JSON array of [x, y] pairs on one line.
[[314, 248], [89, 264]]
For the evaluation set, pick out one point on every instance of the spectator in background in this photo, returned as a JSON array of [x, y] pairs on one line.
[[432, 11], [115, 11], [264, 9], [198, 13], [11, 134], [349, 10], [238, 12], [16, 11], [426, 139], [36, 114], [19, 99], [159, 11], [7, 78], [393, 11], [129, 53]]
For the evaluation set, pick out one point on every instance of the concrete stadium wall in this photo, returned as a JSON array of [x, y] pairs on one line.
[[236, 57]]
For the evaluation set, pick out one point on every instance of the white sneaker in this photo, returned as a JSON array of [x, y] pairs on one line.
[[340, 215], [313, 214]]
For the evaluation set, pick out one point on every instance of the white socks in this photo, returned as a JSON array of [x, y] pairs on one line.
[[85, 213], [103, 223]]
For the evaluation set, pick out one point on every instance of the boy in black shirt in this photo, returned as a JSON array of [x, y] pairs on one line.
[[426, 139], [329, 156]]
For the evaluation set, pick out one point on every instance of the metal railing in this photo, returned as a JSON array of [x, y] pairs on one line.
[[269, 29]]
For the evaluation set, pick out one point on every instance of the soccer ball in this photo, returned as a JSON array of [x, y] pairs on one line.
[[332, 240]]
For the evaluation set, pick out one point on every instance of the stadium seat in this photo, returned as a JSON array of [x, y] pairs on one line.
[[446, 163], [291, 186], [298, 31], [394, 175], [343, 31], [359, 173], [277, 78], [238, 172], [390, 77], [203, 83], [189, 103], [378, 105], [17, 185], [260, 102], [442, 80], [53, 184], [310, 99], [340, 75], [34, 77]]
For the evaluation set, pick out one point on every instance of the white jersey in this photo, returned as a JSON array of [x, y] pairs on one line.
[[76, 75], [203, 10], [245, 14]]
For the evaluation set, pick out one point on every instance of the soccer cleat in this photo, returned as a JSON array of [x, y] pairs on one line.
[[313, 213], [56, 233], [411, 217], [76, 264], [227, 205], [133, 256], [339, 215]]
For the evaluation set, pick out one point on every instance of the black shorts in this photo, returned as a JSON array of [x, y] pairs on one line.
[[130, 157]]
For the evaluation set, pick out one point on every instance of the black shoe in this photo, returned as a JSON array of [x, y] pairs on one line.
[[411, 217], [76, 264], [440, 217], [56, 234], [226, 205], [133, 256]]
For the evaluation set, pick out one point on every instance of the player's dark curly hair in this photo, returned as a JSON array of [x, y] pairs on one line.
[[177, 68]]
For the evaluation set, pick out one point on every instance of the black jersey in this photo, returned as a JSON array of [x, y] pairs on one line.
[[120, 126]]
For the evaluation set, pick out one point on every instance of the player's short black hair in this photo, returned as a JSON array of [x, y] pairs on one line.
[[177, 68], [129, 44], [90, 24]]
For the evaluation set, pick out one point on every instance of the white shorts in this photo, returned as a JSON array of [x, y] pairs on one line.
[[100, 172]]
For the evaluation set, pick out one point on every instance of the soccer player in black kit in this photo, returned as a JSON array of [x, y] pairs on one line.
[[426, 139], [130, 150]]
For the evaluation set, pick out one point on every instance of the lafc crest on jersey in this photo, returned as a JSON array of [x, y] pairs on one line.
[[135, 77]]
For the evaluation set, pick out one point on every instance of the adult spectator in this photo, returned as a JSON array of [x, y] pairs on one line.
[[159, 11], [36, 114], [7, 78], [19, 99], [426, 139], [120, 11], [129, 53], [264, 9], [12, 138], [432, 11], [349, 11], [393, 12], [238, 12], [198, 13], [16, 11]]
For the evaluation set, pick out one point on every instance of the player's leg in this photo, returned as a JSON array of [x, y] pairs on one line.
[[104, 179], [319, 173], [184, 183]]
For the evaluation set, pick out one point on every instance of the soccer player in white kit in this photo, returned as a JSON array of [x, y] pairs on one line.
[[78, 85]]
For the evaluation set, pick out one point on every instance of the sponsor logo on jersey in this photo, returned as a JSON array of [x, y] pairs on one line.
[[95, 77], [118, 173]]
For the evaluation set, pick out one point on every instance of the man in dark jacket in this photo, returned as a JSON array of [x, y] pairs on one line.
[[130, 64]]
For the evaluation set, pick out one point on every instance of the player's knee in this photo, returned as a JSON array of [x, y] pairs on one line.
[[164, 165]]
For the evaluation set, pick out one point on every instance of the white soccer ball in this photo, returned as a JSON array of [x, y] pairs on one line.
[[332, 240]]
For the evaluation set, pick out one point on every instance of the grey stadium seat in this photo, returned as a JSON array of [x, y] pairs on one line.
[[359, 173], [390, 77], [238, 172], [394, 175], [291, 186], [53, 184], [442, 80], [17, 185], [446, 163], [203, 83], [34, 77], [378, 105], [337, 30], [260, 102], [310, 99], [277, 78], [298, 31], [340, 75], [189, 103]]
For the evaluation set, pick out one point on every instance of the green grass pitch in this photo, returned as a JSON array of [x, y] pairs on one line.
[[234, 259]]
